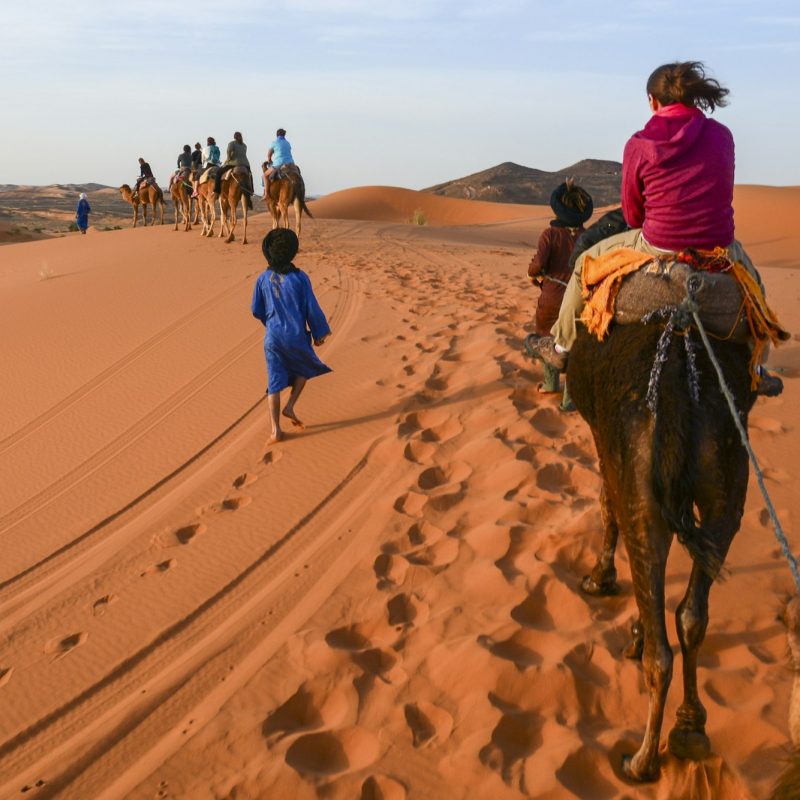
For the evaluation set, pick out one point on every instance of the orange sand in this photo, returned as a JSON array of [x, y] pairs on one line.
[[385, 605]]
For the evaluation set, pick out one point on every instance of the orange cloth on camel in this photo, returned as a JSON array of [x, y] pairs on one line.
[[601, 278], [761, 319]]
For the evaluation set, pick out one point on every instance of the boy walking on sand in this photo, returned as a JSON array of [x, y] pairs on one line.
[[285, 303]]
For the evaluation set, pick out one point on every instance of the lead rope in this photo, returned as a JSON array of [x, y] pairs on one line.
[[693, 286]]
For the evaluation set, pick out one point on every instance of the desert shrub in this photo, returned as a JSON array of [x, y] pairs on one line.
[[72, 227], [419, 218]]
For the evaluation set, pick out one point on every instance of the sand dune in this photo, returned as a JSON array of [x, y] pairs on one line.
[[385, 605]]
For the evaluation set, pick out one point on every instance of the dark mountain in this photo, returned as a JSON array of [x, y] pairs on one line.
[[513, 183]]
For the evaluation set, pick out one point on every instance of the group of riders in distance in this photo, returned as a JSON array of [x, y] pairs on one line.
[[202, 182]]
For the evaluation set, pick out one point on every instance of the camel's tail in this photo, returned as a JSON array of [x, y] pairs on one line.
[[683, 427]]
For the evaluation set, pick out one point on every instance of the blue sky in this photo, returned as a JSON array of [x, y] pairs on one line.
[[406, 93]]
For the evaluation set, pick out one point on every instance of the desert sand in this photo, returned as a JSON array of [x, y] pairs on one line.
[[384, 605]]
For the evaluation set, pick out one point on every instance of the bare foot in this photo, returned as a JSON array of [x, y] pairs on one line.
[[293, 418]]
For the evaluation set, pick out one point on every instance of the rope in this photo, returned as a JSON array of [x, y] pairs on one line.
[[693, 285]]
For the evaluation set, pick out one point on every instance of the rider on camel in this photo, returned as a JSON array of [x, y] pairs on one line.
[[677, 192], [144, 173], [279, 153], [236, 157], [184, 170], [210, 158]]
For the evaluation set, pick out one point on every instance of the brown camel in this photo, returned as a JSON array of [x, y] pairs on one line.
[[181, 193], [149, 194], [234, 190], [207, 205], [658, 470], [285, 192]]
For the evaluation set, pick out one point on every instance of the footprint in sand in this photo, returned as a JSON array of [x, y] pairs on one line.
[[390, 570], [555, 478], [411, 503], [228, 504], [245, 479], [313, 706], [379, 787], [271, 457], [407, 610], [360, 636], [429, 724], [382, 664], [333, 753], [437, 556], [519, 648], [61, 646], [517, 736], [5, 675], [548, 422], [421, 534], [419, 452], [187, 533], [100, 606], [162, 566]]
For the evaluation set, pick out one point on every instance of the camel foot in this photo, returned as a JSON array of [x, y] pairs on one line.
[[275, 438], [692, 745], [606, 588], [633, 772]]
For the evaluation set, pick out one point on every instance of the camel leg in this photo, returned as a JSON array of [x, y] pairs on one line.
[[135, 214], [223, 220], [234, 212], [188, 201], [176, 203], [647, 540], [721, 505], [244, 213], [298, 211], [602, 582], [144, 214]]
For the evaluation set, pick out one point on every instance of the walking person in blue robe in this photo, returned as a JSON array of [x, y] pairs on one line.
[[284, 301], [82, 214]]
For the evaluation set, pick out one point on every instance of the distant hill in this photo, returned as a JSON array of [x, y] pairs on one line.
[[513, 183]]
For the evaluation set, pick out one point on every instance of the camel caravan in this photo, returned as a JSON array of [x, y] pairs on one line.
[[205, 189]]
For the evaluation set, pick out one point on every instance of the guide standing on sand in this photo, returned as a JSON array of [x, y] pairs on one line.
[[284, 301], [550, 267], [82, 214]]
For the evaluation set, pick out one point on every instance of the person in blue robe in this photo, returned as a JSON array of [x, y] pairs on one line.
[[82, 214], [284, 301]]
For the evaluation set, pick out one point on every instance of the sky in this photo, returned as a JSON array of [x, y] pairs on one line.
[[380, 92]]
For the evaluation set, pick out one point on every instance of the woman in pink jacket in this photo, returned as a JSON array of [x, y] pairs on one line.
[[677, 189]]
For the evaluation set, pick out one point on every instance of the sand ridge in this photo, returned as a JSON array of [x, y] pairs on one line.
[[385, 605]]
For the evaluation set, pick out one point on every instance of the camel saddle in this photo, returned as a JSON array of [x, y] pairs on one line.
[[625, 285], [663, 283], [208, 175]]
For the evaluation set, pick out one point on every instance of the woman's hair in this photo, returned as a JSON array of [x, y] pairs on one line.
[[187, 149], [280, 132], [197, 145], [686, 82], [238, 136], [279, 248], [210, 140]]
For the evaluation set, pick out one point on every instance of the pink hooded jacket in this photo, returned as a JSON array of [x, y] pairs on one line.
[[677, 180]]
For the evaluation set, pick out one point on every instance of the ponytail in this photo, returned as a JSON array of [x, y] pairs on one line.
[[686, 82]]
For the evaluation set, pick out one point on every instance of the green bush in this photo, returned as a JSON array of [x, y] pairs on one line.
[[72, 227], [419, 218]]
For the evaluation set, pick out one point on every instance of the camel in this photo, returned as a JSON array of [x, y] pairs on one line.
[[181, 198], [234, 189], [285, 192], [149, 194], [657, 471]]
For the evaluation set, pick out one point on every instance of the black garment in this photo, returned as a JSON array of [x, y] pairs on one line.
[[185, 161], [571, 217], [197, 158], [609, 224], [145, 171]]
